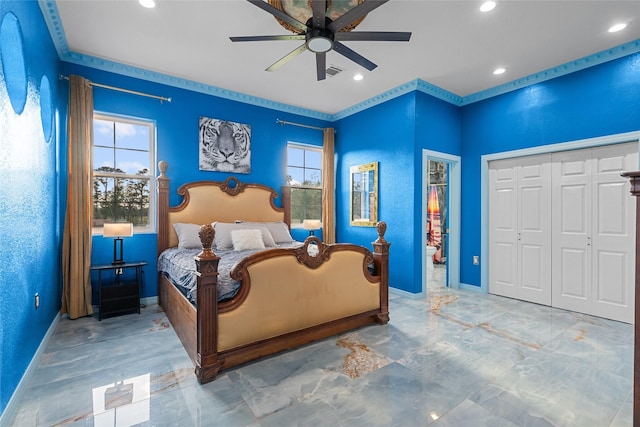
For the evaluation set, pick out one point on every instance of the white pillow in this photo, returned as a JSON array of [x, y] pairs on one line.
[[244, 239], [279, 230], [188, 235], [224, 229]]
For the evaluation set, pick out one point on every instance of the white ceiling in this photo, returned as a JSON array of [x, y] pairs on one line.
[[454, 46]]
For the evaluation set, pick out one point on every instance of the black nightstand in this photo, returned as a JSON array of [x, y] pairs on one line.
[[118, 287]]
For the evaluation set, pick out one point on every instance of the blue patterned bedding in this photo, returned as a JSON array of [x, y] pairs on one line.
[[179, 266]]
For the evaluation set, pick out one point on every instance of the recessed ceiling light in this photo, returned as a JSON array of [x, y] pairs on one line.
[[487, 6], [618, 27], [498, 71], [149, 4], [358, 77]]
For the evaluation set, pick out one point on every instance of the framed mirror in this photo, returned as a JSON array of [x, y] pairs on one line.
[[364, 195]]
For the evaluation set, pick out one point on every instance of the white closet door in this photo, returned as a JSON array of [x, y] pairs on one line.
[[594, 231], [534, 229], [613, 233], [503, 227], [571, 213], [520, 227]]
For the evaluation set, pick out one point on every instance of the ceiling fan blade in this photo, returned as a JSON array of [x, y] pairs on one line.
[[355, 57], [267, 38], [354, 14], [321, 65], [319, 10], [279, 14], [288, 57], [385, 36]]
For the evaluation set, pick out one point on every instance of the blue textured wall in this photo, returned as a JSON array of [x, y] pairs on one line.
[[394, 134], [28, 189], [596, 101], [384, 134], [177, 143]]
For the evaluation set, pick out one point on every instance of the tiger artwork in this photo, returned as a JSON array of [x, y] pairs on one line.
[[224, 146]]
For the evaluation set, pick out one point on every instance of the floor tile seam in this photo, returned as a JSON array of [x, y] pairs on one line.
[[97, 372], [557, 386], [523, 413], [582, 360], [104, 337], [621, 408], [129, 338]]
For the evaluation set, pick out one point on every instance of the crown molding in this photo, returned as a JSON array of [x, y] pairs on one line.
[[141, 73], [52, 19], [551, 73], [375, 100]]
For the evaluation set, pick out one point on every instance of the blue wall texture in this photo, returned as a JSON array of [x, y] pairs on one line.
[[29, 211], [384, 134], [593, 102], [596, 101], [177, 143]]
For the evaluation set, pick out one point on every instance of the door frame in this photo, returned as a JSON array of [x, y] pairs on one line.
[[543, 149], [453, 210]]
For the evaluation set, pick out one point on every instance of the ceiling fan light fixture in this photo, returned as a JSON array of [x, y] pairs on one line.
[[319, 44]]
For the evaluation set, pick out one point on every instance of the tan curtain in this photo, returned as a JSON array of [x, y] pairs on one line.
[[328, 187], [76, 240]]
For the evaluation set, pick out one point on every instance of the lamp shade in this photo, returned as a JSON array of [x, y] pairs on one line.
[[117, 229], [311, 224]]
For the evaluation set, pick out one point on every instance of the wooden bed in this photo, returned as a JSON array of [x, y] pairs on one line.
[[287, 297]]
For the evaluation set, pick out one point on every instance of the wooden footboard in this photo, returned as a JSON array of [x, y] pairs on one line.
[[287, 297]]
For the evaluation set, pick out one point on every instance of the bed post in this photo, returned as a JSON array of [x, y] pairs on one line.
[[381, 260], [634, 177], [207, 362], [162, 184], [285, 191]]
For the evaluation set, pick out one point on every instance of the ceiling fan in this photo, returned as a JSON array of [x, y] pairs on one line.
[[322, 34]]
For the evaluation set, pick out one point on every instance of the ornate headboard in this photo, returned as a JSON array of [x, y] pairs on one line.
[[207, 201]]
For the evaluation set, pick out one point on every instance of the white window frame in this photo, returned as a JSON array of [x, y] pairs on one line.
[[306, 147], [151, 226]]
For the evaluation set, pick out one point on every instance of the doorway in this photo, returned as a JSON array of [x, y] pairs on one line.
[[440, 220]]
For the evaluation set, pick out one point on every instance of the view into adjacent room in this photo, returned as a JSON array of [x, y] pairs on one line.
[[437, 223]]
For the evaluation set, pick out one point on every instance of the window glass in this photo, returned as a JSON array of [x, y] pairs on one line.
[[123, 172], [304, 175]]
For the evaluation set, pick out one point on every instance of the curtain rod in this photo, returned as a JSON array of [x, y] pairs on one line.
[[284, 122], [119, 89]]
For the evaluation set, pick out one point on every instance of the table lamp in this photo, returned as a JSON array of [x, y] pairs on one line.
[[311, 225], [118, 230]]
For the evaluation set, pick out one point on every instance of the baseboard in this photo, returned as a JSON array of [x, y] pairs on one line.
[[406, 294], [147, 301], [471, 288], [7, 414]]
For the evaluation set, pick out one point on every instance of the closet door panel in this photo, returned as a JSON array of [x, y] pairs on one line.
[[613, 232], [571, 223], [503, 228], [534, 222]]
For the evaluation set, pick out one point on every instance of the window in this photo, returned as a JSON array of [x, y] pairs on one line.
[[123, 172], [304, 176]]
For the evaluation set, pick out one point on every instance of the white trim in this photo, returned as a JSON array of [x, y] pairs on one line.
[[619, 138], [468, 287], [151, 177], [147, 301], [453, 257], [18, 393], [406, 294]]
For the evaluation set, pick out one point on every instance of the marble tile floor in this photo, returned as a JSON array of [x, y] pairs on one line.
[[456, 358]]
